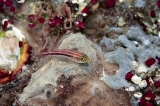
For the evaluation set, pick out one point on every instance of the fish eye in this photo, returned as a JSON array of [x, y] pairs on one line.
[[82, 58]]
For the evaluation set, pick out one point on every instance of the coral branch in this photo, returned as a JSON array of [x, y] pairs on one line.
[[44, 34], [46, 43], [46, 39], [66, 11]]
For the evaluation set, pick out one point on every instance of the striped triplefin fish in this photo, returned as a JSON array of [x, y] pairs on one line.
[[72, 54]]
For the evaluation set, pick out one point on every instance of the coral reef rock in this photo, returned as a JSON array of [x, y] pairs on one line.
[[134, 46], [124, 60], [58, 66]]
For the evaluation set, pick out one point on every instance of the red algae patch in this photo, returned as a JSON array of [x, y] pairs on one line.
[[129, 75], [150, 62], [111, 3]]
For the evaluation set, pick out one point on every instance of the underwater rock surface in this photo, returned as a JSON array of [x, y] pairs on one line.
[[49, 73], [125, 52], [124, 60]]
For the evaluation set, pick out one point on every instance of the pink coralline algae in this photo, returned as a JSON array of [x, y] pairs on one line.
[[2, 1], [58, 20], [158, 3], [55, 21], [31, 17], [94, 1], [150, 62], [85, 10], [41, 20], [52, 22], [111, 3], [9, 3], [158, 60], [5, 24], [129, 75], [157, 84], [149, 104], [80, 24], [20, 44], [6, 3], [148, 96], [31, 25], [152, 14]]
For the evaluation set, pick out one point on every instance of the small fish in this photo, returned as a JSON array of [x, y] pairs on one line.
[[75, 55]]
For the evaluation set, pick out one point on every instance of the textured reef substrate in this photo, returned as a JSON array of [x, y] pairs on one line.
[[107, 52]]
